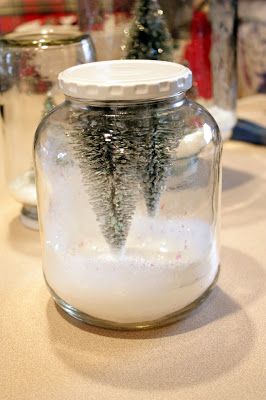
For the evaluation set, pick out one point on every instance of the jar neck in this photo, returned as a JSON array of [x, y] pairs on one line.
[[84, 103]]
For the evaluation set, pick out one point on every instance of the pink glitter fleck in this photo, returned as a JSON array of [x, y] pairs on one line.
[[178, 256]]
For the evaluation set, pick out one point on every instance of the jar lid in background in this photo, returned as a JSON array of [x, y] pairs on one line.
[[125, 80]]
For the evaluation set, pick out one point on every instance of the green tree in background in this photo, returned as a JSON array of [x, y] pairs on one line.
[[149, 37]]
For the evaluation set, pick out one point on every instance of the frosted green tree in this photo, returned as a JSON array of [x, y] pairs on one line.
[[160, 136], [106, 151], [122, 152], [149, 37]]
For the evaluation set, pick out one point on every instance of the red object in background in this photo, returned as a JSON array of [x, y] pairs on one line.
[[123, 6], [197, 54], [9, 23], [46, 12]]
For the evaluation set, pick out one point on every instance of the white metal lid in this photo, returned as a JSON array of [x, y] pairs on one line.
[[125, 80]]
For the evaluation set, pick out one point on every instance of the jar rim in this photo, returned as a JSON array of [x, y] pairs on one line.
[[177, 97], [43, 37]]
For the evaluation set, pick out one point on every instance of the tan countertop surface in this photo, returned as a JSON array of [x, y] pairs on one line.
[[218, 352]]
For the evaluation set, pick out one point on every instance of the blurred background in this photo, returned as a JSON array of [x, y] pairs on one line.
[[223, 42], [106, 20]]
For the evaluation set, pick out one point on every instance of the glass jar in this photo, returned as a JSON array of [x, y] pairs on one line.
[[30, 63], [128, 178]]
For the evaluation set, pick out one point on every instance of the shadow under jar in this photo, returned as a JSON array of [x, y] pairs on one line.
[[30, 64], [128, 179]]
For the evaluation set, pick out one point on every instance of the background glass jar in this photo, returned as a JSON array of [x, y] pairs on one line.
[[203, 36], [30, 63], [128, 194]]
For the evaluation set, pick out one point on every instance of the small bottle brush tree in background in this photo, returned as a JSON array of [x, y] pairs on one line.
[[148, 36]]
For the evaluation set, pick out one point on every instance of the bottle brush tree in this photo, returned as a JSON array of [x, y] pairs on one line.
[[149, 37], [122, 154]]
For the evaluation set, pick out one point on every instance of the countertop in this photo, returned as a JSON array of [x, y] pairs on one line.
[[218, 352]]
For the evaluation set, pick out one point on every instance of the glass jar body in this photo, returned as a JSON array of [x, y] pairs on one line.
[[30, 64], [128, 198]]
